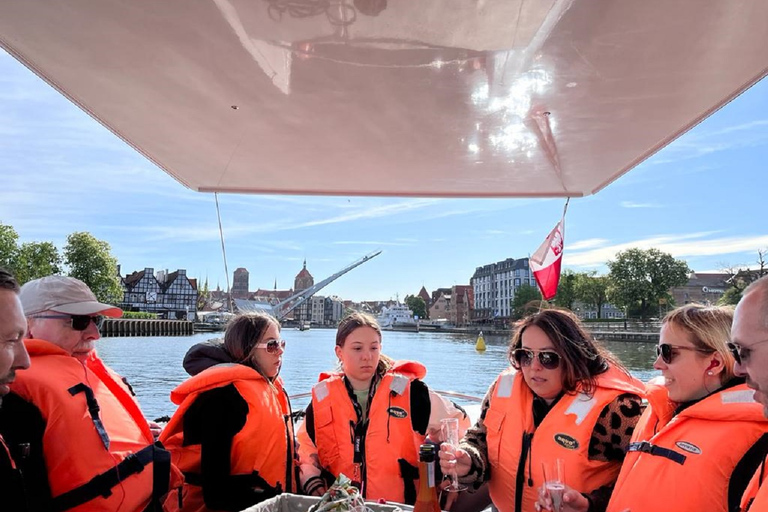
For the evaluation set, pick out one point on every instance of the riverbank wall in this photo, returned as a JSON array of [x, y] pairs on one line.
[[643, 332], [119, 327]]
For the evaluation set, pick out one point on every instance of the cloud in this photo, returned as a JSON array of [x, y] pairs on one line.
[[679, 246], [369, 242], [632, 204], [587, 244], [690, 145], [374, 212]]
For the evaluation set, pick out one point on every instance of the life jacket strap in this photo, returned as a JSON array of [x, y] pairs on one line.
[[253, 480], [646, 447], [409, 474], [102, 484], [93, 410]]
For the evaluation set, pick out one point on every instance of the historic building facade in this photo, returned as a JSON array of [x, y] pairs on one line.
[[240, 282], [170, 295], [494, 286], [303, 281]]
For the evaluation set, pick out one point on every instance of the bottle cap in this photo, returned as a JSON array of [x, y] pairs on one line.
[[427, 453]]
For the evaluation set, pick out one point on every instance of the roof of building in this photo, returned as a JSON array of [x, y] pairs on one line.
[[708, 279], [278, 294], [170, 278], [502, 266], [134, 277], [304, 272]]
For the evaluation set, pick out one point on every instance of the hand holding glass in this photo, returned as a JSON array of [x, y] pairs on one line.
[[554, 481], [450, 427]]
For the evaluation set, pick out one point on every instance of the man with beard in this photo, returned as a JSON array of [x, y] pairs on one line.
[[13, 356], [72, 424], [749, 336]]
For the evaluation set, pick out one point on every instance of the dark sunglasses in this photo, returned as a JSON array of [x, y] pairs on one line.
[[78, 322], [741, 354], [524, 357], [272, 346], [669, 352]]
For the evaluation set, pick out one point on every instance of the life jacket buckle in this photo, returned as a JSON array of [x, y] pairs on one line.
[[643, 446], [133, 464]]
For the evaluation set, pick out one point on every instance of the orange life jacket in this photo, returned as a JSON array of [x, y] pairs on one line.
[[755, 498], [263, 446], [516, 448], [94, 427], [684, 462], [383, 457]]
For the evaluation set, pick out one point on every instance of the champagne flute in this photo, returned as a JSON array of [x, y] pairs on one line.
[[450, 428], [554, 481]]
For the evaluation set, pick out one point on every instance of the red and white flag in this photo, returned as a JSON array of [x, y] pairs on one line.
[[545, 262]]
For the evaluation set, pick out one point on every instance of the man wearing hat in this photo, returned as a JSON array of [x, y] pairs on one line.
[[72, 424], [13, 357]]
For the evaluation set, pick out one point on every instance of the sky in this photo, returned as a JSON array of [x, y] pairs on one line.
[[702, 199]]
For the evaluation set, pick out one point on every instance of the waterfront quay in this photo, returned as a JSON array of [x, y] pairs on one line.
[[119, 327], [645, 332]]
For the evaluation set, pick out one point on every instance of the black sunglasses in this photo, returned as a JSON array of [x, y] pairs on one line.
[[524, 357], [669, 352], [78, 322], [741, 354], [272, 346]]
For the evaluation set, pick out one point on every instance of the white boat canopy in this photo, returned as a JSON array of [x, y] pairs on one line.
[[468, 98]]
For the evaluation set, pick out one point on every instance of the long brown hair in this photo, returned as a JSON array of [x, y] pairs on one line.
[[243, 333], [583, 359], [354, 321]]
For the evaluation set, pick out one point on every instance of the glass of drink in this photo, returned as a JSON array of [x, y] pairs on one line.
[[554, 481], [450, 428]]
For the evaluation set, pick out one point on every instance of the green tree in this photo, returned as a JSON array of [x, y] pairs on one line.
[[203, 294], [641, 279], [566, 289], [8, 246], [731, 297], [90, 260], [741, 277], [417, 305], [36, 259], [526, 301], [592, 290]]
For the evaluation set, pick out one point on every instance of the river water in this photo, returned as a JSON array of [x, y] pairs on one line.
[[153, 364]]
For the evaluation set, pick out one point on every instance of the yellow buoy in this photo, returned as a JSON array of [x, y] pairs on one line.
[[480, 345]]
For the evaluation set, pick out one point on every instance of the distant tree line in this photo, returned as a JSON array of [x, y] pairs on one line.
[[639, 282], [741, 276], [84, 257]]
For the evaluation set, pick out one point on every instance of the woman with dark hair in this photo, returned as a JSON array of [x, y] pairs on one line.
[[368, 420], [702, 433], [232, 434], [563, 398]]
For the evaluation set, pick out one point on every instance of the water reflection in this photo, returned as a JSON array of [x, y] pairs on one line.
[[637, 357], [153, 365]]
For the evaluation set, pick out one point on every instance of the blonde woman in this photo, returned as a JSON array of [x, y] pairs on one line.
[[702, 436]]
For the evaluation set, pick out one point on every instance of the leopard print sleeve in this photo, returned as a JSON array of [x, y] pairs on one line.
[[610, 440], [614, 428]]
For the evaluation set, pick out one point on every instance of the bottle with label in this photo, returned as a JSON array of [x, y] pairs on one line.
[[426, 499]]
